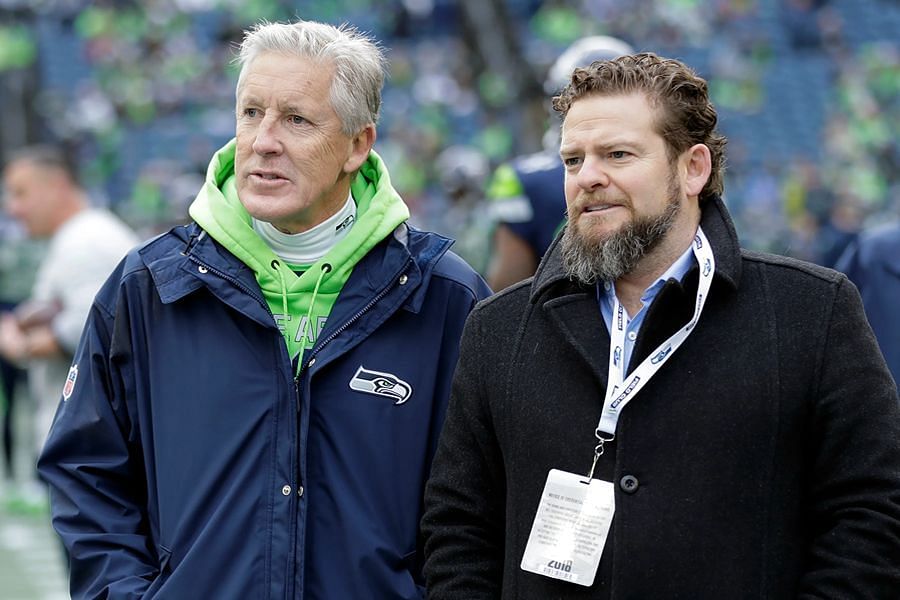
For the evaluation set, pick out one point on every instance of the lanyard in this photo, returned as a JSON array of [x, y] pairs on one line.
[[620, 390]]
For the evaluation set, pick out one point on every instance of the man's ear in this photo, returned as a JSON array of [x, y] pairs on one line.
[[360, 145], [697, 169]]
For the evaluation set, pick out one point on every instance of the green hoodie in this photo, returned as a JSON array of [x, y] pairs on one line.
[[298, 300]]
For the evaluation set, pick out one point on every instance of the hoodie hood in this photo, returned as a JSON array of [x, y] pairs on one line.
[[300, 303]]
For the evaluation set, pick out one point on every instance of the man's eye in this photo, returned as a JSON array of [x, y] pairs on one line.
[[250, 112], [297, 120], [572, 161], [618, 154]]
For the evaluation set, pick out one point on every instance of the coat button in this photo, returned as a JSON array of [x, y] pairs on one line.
[[403, 279], [311, 362], [286, 490], [203, 269], [300, 491], [629, 484]]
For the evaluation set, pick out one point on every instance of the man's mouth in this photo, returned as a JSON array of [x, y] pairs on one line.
[[600, 207], [267, 175]]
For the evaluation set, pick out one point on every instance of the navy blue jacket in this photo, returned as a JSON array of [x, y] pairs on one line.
[[872, 262], [544, 188], [188, 461], [541, 177]]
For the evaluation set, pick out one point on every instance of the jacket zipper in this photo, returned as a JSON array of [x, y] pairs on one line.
[[358, 315], [318, 347], [375, 300]]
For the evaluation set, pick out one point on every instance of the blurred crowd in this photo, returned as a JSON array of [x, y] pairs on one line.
[[139, 90]]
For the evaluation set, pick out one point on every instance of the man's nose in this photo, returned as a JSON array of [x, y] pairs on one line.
[[592, 175], [267, 139]]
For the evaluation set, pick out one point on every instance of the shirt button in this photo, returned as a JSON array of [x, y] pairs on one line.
[[607, 286], [632, 336], [629, 484], [300, 491], [403, 279], [286, 490]]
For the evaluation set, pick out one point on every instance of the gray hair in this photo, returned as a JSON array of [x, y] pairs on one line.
[[358, 60]]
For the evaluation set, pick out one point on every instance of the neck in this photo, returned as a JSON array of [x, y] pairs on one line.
[[321, 211], [69, 208], [309, 246]]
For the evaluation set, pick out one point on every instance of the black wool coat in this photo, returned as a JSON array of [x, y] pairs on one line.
[[761, 461]]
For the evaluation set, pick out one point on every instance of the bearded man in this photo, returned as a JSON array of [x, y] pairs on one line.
[[659, 413]]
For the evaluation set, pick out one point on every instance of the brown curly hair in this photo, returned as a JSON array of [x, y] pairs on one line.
[[686, 115]]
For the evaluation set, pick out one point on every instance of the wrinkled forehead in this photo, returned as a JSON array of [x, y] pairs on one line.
[[286, 62]]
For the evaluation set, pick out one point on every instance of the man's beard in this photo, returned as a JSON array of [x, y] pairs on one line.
[[588, 260]]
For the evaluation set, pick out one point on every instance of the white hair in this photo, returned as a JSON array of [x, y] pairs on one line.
[[358, 61]]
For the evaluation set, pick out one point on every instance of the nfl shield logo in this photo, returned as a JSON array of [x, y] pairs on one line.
[[70, 382]]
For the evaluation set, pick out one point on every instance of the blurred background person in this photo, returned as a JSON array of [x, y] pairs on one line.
[[85, 243], [462, 174], [872, 262], [526, 194], [20, 257]]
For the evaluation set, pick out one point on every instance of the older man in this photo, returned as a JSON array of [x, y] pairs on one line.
[[258, 395], [660, 414]]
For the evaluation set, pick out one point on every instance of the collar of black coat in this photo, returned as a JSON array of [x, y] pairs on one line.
[[716, 223]]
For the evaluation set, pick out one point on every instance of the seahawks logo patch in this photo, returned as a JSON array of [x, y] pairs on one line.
[[377, 383]]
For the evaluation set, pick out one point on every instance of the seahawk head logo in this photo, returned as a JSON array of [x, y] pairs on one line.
[[662, 354], [387, 385]]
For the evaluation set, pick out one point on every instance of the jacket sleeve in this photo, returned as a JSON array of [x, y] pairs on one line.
[[855, 478], [465, 496], [91, 462]]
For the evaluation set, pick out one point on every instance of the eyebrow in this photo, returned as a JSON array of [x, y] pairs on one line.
[[292, 109], [247, 99], [286, 108], [607, 146]]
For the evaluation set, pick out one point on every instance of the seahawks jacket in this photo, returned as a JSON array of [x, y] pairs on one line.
[[187, 460]]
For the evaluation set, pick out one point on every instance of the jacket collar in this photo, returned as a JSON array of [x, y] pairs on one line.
[[187, 259], [716, 224]]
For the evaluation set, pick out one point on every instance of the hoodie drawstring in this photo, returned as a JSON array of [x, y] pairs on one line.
[[284, 307], [326, 268]]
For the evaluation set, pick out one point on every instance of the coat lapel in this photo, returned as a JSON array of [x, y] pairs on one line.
[[573, 309], [577, 318]]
